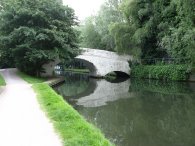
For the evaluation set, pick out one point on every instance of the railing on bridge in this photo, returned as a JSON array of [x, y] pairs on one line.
[[164, 61]]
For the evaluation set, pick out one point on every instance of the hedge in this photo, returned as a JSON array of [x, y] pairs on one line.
[[163, 72]]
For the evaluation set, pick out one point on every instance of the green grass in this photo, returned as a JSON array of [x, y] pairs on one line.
[[72, 127], [78, 70], [2, 81], [30, 79], [110, 76]]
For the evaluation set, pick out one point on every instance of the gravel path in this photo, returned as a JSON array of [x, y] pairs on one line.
[[22, 122]]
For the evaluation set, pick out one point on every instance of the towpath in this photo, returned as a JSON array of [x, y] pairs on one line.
[[22, 122]]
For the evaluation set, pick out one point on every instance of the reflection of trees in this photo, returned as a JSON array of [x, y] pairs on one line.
[[73, 84], [151, 119], [178, 88]]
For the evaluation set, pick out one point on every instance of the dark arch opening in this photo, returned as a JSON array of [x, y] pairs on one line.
[[121, 74], [117, 77]]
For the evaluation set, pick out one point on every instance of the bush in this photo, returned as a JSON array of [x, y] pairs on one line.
[[163, 72], [2, 81]]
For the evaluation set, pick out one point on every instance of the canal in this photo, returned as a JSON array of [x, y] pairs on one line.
[[135, 112]]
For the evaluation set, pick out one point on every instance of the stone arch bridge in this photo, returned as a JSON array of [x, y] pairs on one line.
[[99, 62]]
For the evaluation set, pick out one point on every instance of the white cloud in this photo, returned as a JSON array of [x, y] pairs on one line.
[[84, 8]]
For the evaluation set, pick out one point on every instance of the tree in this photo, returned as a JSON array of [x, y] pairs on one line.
[[179, 41], [96, 29], [109, 14], [90, 38], [141, 19], [36, 32], [157, 29]]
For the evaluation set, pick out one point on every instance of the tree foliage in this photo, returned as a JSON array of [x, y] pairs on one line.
[[158, 28], [36, 32], [90, 38], [179, 40], [162, 72], [96, 29]]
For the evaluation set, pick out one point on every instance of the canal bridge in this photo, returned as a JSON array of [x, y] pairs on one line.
[[99, 62]]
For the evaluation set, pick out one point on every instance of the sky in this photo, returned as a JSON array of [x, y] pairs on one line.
[[84, 8]]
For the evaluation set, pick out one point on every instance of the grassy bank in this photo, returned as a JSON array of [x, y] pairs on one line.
[[30, 79], [162, 72], [71, 126], [2, 81], [109, 76], [77, 70]]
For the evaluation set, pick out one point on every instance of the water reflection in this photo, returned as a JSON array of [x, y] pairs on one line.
[[74, 84], [176, 88], [105, 92], [143, 113]]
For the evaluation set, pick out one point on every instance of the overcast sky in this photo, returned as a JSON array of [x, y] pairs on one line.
[[84, 8]]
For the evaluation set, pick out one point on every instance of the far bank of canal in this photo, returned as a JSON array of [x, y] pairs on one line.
[[135, 112]]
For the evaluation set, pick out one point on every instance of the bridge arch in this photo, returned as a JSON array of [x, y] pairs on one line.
[[92, 68]]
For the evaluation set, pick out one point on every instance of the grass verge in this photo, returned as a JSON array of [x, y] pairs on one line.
[[72, 127], [2, 81], [77, 70], [110, 76], [30, 79]]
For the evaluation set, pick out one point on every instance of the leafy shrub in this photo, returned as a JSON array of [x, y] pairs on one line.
[[2, 81], [163, 72]]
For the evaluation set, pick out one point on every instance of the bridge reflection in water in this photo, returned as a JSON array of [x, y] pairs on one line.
[[94, 92], [104, 92], [136, 112]]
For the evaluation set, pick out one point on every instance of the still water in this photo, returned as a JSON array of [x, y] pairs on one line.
[[135, 112]]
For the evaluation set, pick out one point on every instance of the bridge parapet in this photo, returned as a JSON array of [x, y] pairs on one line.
[[105, 54]]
